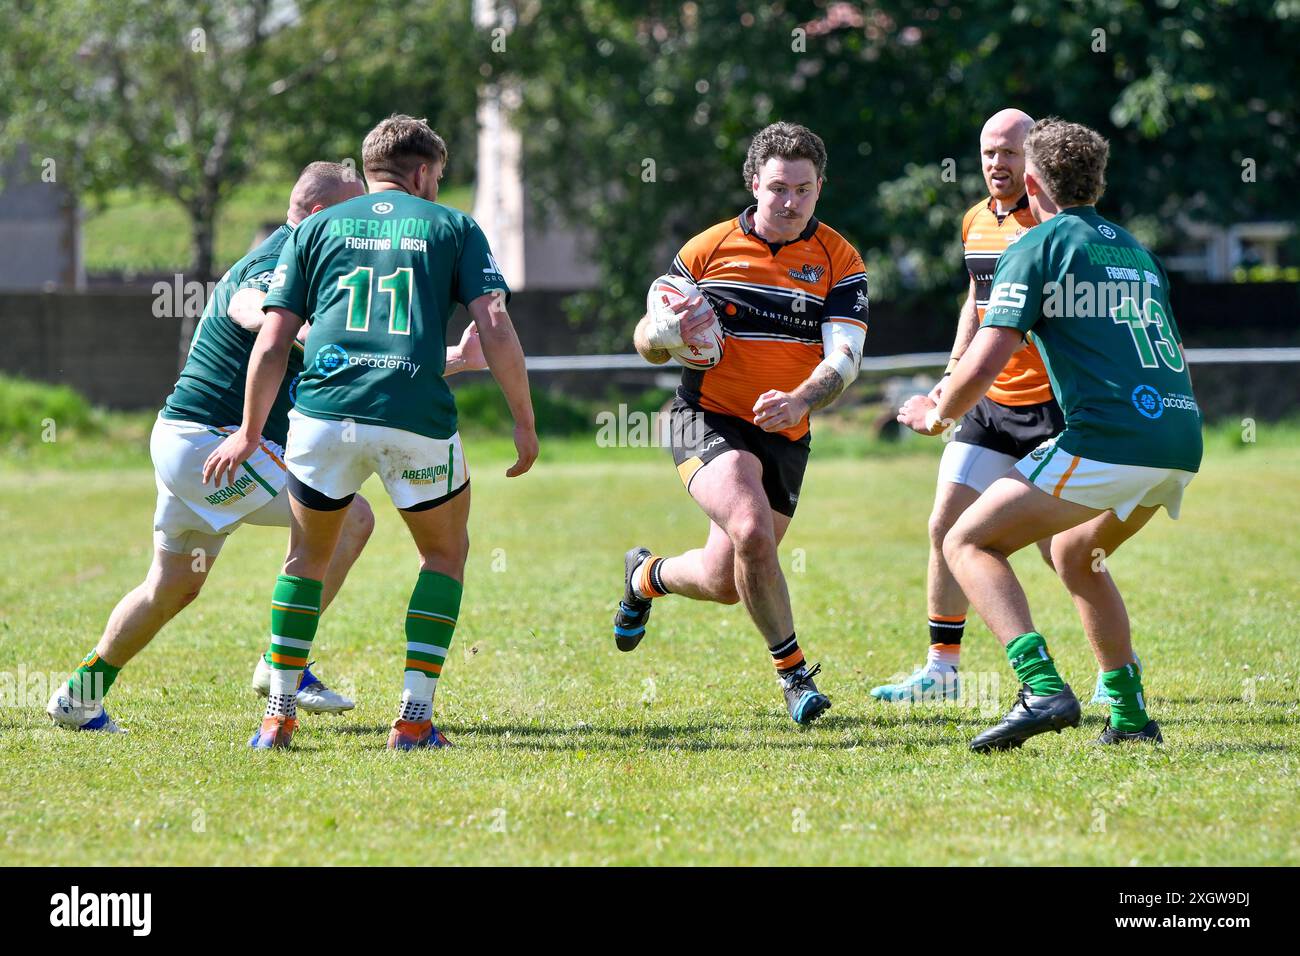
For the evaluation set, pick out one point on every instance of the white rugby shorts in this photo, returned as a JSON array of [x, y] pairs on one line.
[[335, 458], [190, 514], [1103, 485]]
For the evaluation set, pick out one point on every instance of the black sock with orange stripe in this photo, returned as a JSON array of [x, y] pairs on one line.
[[945, 638], [647, 581], [787, 656]]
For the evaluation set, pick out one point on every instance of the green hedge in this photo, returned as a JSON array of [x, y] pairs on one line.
[[27, 408]]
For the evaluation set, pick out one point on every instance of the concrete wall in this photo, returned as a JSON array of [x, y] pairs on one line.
[[40, 230], [536, 252], [106, 345], [110, 347]]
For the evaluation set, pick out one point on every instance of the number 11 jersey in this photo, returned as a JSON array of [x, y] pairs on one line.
[[377, 277]]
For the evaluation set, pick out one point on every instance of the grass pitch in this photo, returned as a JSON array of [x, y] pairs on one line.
[[569, 752]]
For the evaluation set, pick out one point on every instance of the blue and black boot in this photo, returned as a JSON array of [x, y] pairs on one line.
[[633, 612]]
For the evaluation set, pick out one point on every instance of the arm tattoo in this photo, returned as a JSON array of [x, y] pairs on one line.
[[820, 391]]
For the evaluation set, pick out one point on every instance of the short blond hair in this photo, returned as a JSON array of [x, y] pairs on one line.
[[1071, 160], [401, 143]]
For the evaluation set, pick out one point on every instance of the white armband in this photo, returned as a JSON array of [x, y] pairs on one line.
[[836, 334]]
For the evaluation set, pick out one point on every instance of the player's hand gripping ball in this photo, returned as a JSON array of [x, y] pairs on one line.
[[683, 322]]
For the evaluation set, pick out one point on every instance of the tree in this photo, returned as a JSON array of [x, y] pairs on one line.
[[1186, 92], [190, 98]]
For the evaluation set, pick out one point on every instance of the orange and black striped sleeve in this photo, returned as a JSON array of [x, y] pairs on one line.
[[966, 221], [691, 261], [848, 299]]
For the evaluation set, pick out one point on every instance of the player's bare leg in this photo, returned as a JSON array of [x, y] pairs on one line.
[[730, 491], [1080, 556], [313, 536], [704, 574], [358, 525], [295, 613], [740, 561], [441, 535], [946, 606], [709, 573], [1011, 515], [943, 595], [172, 582]]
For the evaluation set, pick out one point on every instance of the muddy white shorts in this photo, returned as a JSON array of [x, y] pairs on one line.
[[190, 514], [1103, 485], [334, 459]]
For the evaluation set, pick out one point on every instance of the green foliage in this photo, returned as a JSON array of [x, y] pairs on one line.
[[26, 407], [369, 60], [134, 231], [1185, 92], [189, 98], [483, 409]]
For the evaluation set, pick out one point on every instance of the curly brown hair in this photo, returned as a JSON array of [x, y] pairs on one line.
[[787, 141], [399, 144], [1070, 159]]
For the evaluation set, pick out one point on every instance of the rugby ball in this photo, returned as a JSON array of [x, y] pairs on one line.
[[669, 290]]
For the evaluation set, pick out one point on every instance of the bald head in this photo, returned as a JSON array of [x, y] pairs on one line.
[[321, 185], [1008, 123], [1002, 154]]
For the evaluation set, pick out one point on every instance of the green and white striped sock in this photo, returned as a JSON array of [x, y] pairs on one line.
[[430, 623], [295, 612]]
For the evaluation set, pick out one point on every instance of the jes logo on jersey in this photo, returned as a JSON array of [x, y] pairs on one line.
[[1148, 402], [331, 358]]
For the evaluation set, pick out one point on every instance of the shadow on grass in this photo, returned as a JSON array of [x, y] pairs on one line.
[[851, 732], [757, 736], [1227, 702]]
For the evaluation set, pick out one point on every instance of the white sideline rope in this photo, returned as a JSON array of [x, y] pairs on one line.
[[888, 363]]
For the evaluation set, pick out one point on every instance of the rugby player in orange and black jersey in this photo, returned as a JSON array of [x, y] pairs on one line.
[[791, 296], [1016, 415]]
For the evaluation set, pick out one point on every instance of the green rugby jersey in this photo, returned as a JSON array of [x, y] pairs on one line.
[[210, 389], [377, 277], [1097, 305]]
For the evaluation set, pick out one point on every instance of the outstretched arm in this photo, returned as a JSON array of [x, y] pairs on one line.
[[968, 324], [987, 356], [505, 358]]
